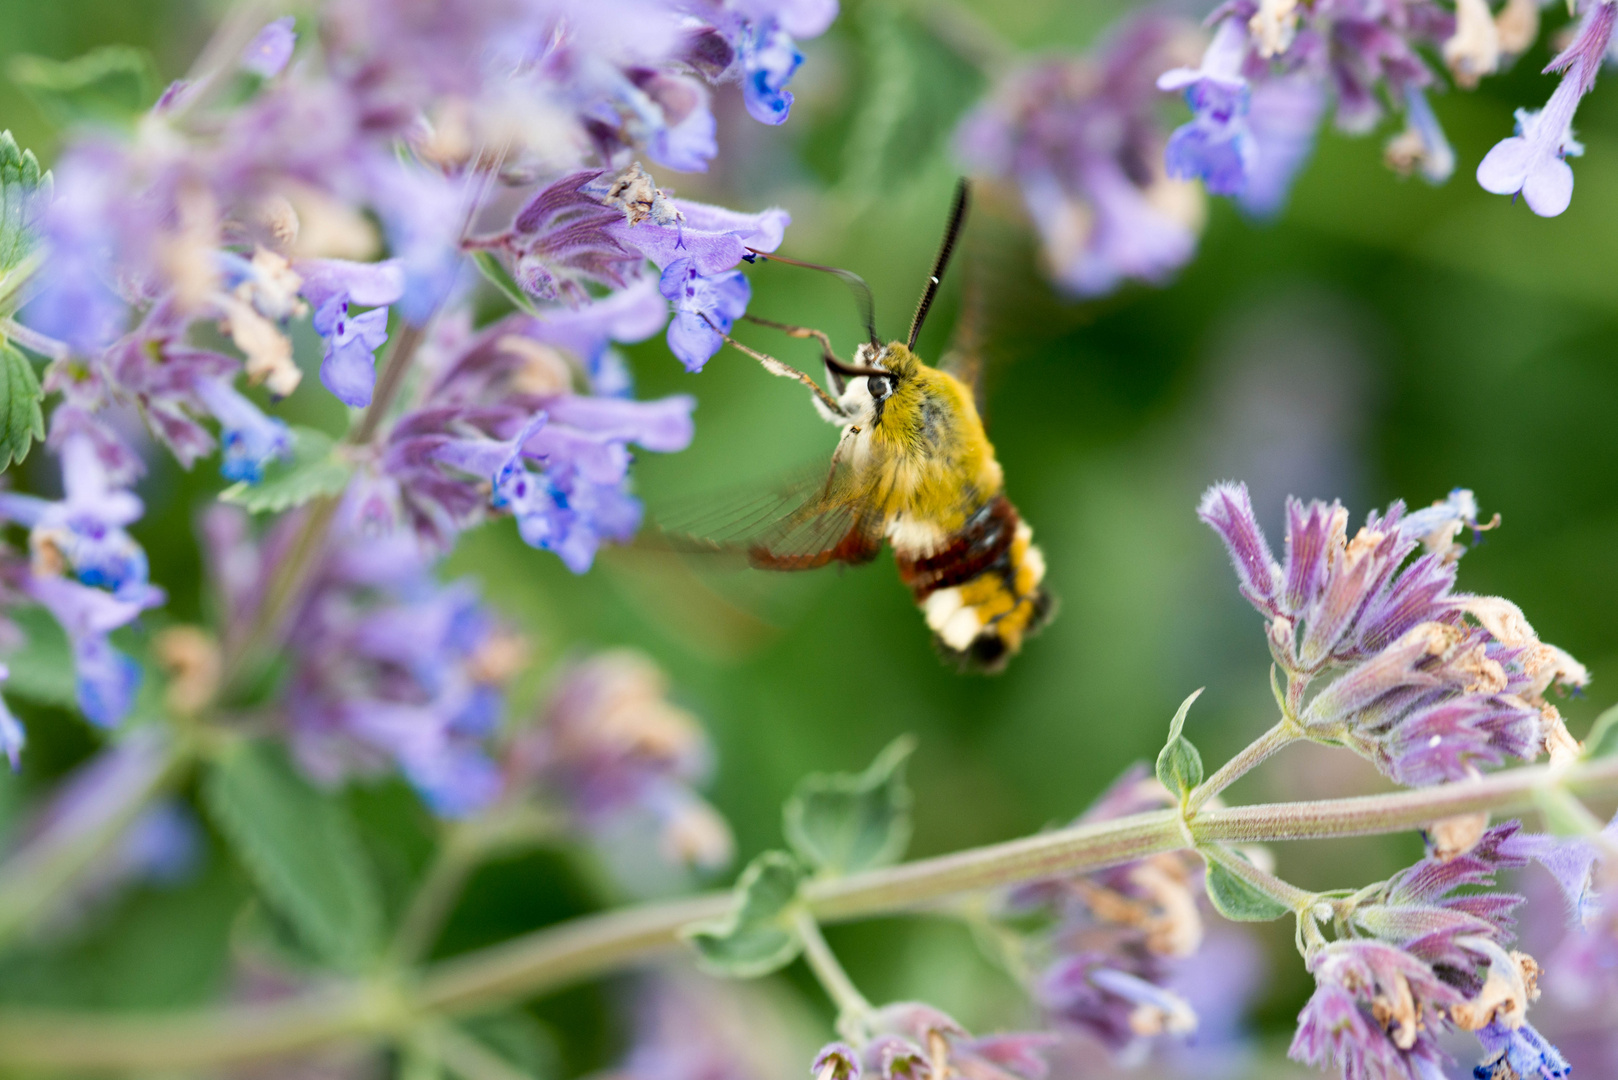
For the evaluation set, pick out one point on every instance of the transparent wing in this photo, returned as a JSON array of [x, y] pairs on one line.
[[807, 522]]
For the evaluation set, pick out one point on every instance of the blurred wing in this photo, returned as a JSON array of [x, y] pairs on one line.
[[803, 524]]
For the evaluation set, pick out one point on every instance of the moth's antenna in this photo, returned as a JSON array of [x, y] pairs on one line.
[[952, 232], [855, 283]]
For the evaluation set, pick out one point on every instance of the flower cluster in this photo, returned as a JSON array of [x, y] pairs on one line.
[[1415, 957], [350, 170], [1427, 683], [1130, 958], [609, 746], [1083, 141], [912, 1041]]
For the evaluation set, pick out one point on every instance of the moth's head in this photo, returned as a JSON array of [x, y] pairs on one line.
[[880, 382]]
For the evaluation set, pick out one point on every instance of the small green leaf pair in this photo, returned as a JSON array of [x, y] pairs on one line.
[[25, 190], [838, 823]]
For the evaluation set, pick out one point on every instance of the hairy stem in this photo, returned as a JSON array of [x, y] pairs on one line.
[[597, 944], [852, 1008], [1282, 892], [1282, 734]]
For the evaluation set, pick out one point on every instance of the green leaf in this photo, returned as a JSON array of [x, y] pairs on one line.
[[1179, 766], [757, 936], [42, 667], [313, 470], [21, 420], [842, 823], [25, 191], [495, 272], [1235, 898], [113, 84], [299, 847], [1603, 738]]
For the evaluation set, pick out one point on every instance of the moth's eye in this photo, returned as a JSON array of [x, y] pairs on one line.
[[880, 387]]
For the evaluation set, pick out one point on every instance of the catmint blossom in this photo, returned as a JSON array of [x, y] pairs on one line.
[[271, 48], [1126, 939], [1427, 953], [1429, 684], [912, 1041], [609, 745], [105, 678], [349, 367], [249, 439], [391, 668], [85, 532], [705, 308], [1534, 161], [1216, 146], [1083, 144]]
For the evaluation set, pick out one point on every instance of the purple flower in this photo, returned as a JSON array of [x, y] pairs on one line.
[[1418, 690], [705, 308], [250, 439], [631, 314], [349, 367], [389, 667], [85, 531], [75, 300], [1215, 146], [911, 1037], [1375, 1012], [1522, 1051], [1422, 145], [769, 58], [1083, 142], [12, 736], [270, 50], [1533, 161], [1283, 115], [609, 745], [836, 1061], [106, 678]]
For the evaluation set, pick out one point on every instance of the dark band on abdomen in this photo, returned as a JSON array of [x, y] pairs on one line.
[[982, 544]]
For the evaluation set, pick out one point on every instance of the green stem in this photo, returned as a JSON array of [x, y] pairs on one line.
[[1282, 892], [1282, 734], [246, 656], [852, 1008], [598, 944], [465, 846]]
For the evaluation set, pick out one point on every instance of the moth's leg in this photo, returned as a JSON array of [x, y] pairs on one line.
[[838, 382], [828, 404]]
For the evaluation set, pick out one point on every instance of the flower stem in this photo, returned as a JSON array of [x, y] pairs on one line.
[[598, 944], [246, 657], [1282, 892], [852, 1008], [1282, 734]]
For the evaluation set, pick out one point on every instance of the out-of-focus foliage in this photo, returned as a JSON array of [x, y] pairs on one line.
[[1382, 339]]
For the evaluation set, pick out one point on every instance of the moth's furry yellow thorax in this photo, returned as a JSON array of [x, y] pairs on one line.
[[929, 455]]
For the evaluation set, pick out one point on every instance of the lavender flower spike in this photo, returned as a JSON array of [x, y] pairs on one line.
[[1533, 161]]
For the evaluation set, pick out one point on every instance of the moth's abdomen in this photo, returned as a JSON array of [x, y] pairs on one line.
[[982, 594]]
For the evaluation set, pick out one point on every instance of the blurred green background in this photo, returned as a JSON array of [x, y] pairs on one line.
[[1384, 339]]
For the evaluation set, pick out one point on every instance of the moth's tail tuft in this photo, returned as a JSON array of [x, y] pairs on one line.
[[980, 624]]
